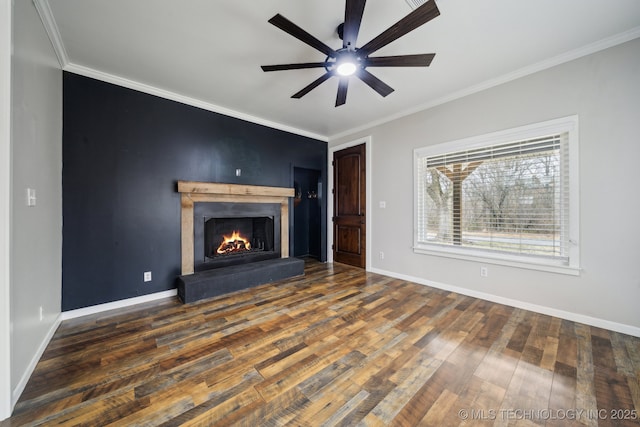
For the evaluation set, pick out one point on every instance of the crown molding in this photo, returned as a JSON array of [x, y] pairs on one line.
[[46, 15], [522, 72], [51, 27], [152, 90]]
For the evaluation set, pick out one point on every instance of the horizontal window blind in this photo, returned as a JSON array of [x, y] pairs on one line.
[[511, 149], [509, 197]]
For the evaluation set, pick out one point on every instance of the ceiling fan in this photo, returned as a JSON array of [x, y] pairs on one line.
[[350, 60]]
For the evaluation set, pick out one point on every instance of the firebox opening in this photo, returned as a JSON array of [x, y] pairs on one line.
[[237, 236]]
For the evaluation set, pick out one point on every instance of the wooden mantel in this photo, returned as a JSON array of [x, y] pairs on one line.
[[206, 192]]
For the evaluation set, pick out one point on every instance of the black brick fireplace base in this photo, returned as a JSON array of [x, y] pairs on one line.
[[211, 283]]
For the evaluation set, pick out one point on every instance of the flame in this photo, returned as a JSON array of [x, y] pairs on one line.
[[233, 243]]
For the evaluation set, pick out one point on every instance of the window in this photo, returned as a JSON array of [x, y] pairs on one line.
[[509, 197]]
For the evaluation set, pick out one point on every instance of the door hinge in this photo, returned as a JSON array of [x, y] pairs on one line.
[[333, 246], [333, 191]]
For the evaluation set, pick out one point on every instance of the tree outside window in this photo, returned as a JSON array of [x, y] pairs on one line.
[[507, 198]]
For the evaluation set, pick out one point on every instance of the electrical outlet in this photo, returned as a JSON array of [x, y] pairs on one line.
[[41, 314], [484, 271], [381, 255], [147, 276]]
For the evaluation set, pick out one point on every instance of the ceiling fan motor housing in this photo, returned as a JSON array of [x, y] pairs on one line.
[[340, 59]]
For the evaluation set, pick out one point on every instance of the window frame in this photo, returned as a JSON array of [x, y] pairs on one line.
[[568, 125]]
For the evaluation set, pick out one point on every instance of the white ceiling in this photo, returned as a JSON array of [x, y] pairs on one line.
[[208, 52]]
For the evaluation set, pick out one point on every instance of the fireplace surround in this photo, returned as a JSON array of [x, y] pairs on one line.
[[244, 216], [208, 198], [240, 217]]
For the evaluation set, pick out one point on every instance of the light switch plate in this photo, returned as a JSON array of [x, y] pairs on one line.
[[31, 197]]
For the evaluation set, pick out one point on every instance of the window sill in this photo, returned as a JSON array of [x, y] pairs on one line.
[[499, 259]]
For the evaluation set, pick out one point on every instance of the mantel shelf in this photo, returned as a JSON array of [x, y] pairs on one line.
[[194, 187]]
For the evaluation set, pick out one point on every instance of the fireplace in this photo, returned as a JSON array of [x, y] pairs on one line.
[[226, 237], [233, 237], [235, 233], [210, 211]]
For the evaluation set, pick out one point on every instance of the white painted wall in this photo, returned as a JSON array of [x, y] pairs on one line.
[[36, 232], [604, 90], [5, 206]]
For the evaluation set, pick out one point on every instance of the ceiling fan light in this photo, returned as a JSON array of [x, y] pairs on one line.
[[346, 68]]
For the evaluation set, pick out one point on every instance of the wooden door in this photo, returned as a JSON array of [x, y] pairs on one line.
[[349, 206]]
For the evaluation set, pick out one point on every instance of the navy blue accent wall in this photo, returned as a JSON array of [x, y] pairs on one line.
[[123, 153]]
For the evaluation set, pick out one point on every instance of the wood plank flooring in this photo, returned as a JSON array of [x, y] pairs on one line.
[[336, 347]]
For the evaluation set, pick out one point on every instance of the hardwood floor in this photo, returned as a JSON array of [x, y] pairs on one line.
[[335, 347]]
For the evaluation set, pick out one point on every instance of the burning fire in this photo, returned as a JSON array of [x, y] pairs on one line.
[[233, 243]]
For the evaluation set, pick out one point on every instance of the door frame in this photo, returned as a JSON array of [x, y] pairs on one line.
[[6, 22], [368, 147]]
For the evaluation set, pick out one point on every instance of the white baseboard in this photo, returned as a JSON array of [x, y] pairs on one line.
[[72, 314], [575, 317], [17, 392]]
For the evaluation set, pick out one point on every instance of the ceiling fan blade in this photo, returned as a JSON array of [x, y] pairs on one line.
[[293, 66], [313, 85], [375, 83], [421, 60], [289, 27], [352, 19], [418, 17], [341, 98]]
